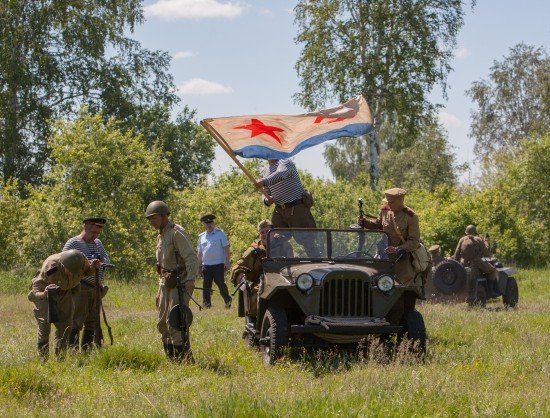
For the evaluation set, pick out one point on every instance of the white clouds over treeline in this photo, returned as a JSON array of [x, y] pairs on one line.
[[200, 86], [182, 55], [194, 9]]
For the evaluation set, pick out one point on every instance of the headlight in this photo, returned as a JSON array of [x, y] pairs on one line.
[[304, 282], [385, 283]]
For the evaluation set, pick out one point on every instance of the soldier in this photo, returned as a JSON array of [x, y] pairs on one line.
[[88, 243], [469, 252], [435, 253], [58, 278], [401, 225], [173, 248], [213, 253], [292, 203]]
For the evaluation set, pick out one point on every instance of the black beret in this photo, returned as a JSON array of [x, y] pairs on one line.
[[207, 218]]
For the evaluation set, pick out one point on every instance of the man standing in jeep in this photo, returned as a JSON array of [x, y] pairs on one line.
[[469, 252]]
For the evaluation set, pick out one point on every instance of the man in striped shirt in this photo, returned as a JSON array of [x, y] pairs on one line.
[[88, 243], [282, 183]]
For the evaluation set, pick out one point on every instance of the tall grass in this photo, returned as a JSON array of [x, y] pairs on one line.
[[481, 362]]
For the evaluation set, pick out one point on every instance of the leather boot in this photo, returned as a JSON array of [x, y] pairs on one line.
[[168, 350], [183, 353], [44, 350], [73, 339], [87, 340]]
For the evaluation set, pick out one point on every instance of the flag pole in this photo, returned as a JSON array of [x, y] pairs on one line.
[[230, 152]]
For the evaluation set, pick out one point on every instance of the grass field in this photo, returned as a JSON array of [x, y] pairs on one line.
[[481, 362]]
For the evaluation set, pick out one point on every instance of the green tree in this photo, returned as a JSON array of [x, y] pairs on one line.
[[426, 164], [56, 55], [393, 52], [514, 103], [96, 169]]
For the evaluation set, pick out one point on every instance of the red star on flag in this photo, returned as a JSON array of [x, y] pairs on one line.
[[257, 127], [319, 119]]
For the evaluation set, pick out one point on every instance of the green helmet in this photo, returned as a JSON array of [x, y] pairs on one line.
[[471, 230], [73, 260], [158, 207]]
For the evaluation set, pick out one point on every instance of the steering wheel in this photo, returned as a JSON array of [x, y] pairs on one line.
[[359, 254]]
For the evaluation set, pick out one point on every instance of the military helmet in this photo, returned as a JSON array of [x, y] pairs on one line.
[[157, 207], [471, 230], [73, 260]]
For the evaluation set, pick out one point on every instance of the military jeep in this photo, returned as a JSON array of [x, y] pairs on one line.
[[338, 294]]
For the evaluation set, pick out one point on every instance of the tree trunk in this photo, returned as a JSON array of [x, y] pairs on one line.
[[374, 151]]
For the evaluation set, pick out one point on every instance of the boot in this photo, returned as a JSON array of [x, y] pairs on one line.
[[183, 353], [44, 350], [168, 350], [74, 336], [87, 340]]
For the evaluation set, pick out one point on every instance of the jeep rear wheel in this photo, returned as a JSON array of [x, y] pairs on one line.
[[511, 294], [274, 334]]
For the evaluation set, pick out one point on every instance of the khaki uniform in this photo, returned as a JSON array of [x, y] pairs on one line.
[[469, 250], [406, 222], [172, 238], [52, 272], [251, 265]]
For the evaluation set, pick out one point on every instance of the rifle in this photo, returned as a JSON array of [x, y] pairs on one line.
[[180, 316], [361, 236], [98, 308]]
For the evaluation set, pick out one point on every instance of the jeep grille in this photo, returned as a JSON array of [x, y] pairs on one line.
[[345, 295]]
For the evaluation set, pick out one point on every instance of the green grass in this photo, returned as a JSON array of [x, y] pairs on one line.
[[481, 362]]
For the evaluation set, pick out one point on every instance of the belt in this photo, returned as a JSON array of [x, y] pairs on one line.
[[87, 284], [289, 204]]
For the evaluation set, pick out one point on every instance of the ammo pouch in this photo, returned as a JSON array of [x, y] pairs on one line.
[[53, 309], [307, 199], [170, 278]]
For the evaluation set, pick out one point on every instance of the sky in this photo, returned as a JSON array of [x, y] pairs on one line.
[[237, 57]]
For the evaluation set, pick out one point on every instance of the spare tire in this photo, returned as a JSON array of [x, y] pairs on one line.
[[449, 276]]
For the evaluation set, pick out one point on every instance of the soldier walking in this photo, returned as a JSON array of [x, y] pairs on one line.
[[55, 283], [174, 253], [88, 243]]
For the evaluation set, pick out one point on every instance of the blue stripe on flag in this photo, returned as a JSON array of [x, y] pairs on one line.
[[258, 151]]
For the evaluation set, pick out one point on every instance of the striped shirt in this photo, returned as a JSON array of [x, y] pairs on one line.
[[91, 250], [282, 182]]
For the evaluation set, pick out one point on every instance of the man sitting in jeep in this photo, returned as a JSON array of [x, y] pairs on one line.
[[249, 266]]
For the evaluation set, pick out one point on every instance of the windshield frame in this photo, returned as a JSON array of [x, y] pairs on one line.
[[328, 241]]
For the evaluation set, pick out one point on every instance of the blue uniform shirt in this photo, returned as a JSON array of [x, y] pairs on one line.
[[211, 245]]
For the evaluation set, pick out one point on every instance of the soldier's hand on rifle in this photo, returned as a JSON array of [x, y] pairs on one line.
[[268, 201], [96, 263], [361, 221], [259, 184]]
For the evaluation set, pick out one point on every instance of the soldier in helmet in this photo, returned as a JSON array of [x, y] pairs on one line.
[[173, 247], [59, 277], [469, 252], [89, 244]]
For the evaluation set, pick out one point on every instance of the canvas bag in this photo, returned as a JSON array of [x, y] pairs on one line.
[[420, 257]]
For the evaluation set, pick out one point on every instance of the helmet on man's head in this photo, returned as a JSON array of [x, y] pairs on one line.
[[157, 207], [471, 230], [73, 261]]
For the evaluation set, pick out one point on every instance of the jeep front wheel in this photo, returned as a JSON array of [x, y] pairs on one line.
[[415, 332], [274, 334], [511, 294]]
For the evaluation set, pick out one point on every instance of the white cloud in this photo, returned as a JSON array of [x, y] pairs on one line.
[[266, 12], [449, 120], [463, 52], [200, 86], [193, 9], [182, 55]]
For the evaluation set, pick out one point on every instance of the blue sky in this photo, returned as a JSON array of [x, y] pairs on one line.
[[237, 57]]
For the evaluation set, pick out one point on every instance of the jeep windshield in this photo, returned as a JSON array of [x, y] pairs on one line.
[[327, 244]]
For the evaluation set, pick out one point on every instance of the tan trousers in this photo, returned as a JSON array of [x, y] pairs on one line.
[[166, 299], [62, 327], [83, 310], [298, 216]]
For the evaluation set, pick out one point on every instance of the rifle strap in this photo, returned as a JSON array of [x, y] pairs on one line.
[[397, 229], [109, 330]]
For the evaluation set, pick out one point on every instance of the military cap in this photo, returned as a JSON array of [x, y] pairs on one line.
[[433, 248], [391, 194], [207, 218], [264, 223], [96, 220]]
